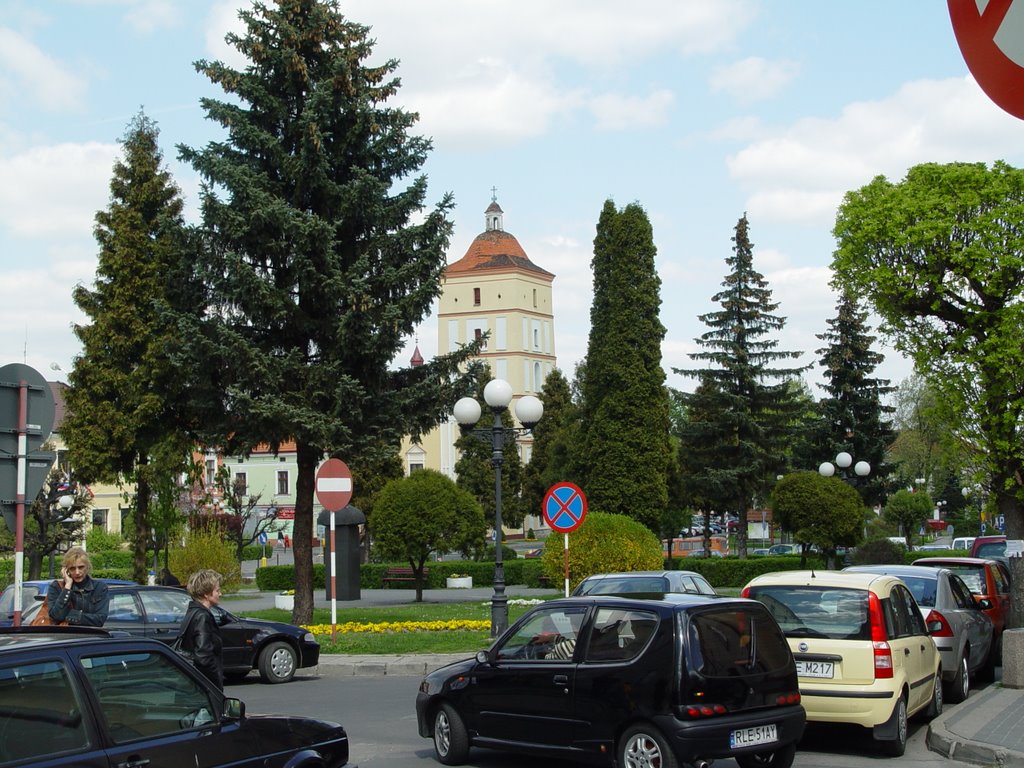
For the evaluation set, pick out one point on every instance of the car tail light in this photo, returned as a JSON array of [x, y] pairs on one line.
[[697, 711], [879, 639], [788, 698], [944, 629], [745, 592]]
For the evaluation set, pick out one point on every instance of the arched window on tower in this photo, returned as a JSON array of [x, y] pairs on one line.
[[476, 297]]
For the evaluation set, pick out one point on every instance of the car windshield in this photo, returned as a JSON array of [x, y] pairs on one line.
[[973, 576], [627, 585], [838, 613], [730, 643], [994, 549]]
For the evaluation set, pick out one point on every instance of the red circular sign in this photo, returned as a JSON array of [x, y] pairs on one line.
[[987, 34], [564, 507], [333, 485]]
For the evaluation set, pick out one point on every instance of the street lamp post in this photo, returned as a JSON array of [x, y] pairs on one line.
[[498, 395], [65, 502]]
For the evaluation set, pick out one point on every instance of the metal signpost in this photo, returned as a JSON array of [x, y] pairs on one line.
[[27, 410], [565, 507], [334, 491]]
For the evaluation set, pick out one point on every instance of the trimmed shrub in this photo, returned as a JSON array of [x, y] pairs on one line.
[[99, 540], [604, 543], [207, 549], [881, 552]]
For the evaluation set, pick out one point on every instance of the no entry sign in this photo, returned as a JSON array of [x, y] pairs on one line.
[[565, 507], [991, 38], [333, 485]]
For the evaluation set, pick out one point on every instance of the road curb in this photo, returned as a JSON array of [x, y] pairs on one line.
[[946, 732], [411, 665]]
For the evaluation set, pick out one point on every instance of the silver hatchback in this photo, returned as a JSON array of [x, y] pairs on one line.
[[961, 629]]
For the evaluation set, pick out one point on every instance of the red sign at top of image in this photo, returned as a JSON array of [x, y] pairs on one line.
[[333, 485], [990, 34]]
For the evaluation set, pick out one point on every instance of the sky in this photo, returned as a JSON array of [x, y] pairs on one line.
[[698, 110]]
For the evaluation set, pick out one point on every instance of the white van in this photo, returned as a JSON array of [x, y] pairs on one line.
[[962, 542]]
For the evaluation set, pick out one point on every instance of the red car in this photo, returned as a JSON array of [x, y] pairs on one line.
[[987, 579]]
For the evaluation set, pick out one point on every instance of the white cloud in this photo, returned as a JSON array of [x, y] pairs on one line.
[[54, 192], [615, 112], [801, 173], [753, 78], [28, 73], [148, 16]]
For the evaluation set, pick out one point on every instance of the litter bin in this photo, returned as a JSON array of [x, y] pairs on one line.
[[346, 535]]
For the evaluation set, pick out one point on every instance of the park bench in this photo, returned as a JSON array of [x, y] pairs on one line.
[[402, 574]]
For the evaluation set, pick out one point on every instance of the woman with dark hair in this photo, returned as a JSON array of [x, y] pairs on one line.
[[76, 598], [201, 637]]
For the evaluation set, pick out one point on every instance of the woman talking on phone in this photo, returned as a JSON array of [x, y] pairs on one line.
[[77, 598]]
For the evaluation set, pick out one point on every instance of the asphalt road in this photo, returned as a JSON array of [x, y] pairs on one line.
[[380, 717]]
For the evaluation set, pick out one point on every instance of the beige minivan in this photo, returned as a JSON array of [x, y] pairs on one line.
[[863, 653]]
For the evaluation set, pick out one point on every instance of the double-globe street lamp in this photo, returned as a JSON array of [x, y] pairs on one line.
[[843, 461], [498, 395]]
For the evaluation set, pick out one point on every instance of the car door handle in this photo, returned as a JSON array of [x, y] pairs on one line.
[[561, 679], [906, 651], [134, 762]]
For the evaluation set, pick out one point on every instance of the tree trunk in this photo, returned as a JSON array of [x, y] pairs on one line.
[[307, 458], [140, 570]]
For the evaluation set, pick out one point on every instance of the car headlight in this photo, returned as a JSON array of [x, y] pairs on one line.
[[309, 637]]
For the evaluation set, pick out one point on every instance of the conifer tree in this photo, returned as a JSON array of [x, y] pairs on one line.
[[853, 415], [322, 255], [624, 425], [126, 407], [747, 407], [553, 439]]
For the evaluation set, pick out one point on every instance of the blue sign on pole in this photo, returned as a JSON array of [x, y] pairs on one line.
[[262, 537], [564, 507]]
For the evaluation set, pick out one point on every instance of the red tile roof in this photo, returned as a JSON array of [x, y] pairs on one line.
[[495, 250]]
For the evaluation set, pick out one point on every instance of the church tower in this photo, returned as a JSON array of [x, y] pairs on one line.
[[493, 288]]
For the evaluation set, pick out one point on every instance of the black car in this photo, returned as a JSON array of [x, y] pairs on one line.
[[276, 649], [77, 696], [627, 682]]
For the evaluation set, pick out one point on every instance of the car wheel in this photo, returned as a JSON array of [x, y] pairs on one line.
[[278, 663], [642, 746], [896, 747], [960, 685], [934, 708], [780, 758], [451, 742]]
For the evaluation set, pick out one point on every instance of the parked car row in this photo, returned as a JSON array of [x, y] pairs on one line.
[[586, 676]]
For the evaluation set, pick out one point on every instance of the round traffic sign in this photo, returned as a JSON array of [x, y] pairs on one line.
[[990, 39], [333, 485], [565, 507]]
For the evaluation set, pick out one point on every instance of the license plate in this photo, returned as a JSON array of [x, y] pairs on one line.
[[815, 669], [751, 737]]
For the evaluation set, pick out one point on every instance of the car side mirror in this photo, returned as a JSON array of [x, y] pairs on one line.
[[984, 604], [482, 657], [234, 709]]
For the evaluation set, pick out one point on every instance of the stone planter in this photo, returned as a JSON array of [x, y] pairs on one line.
[[459, 582], [286, 602]]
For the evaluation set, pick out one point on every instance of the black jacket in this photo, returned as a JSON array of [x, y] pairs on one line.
[[201, 637], [84, 604]]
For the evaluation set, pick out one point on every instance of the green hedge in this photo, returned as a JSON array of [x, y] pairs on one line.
[[527, 572]]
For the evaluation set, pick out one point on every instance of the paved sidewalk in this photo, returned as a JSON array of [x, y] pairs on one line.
[[987, 729]]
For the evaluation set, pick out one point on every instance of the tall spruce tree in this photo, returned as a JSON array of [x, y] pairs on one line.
[[624, 425], [744, 418], [321, 258], [125, 417], [553, 440], [853, 414]]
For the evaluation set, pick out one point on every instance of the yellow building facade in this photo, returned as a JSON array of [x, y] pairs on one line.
[[495, 290]]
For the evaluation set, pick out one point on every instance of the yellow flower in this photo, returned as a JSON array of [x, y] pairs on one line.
[[472, 625]]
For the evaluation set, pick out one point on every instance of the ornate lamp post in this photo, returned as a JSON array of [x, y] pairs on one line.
[[843, 461], [498, 395]]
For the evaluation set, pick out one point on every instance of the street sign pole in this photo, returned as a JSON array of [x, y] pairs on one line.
[[565, 551], [564, 508], [334, 491], [19, 497], [334, 585]]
